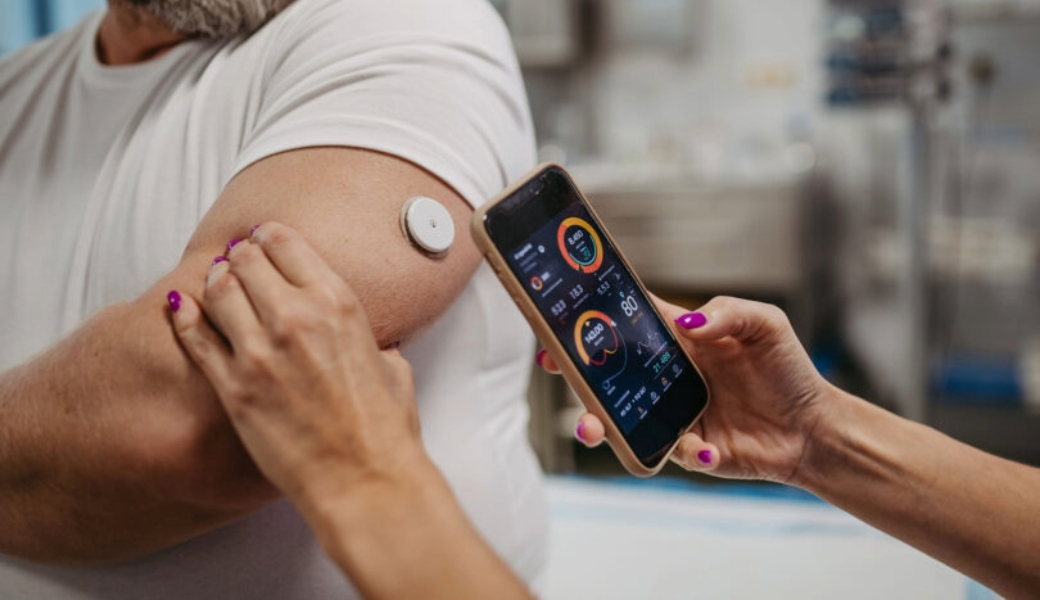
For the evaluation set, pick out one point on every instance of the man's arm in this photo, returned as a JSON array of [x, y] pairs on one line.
[[112, 444]]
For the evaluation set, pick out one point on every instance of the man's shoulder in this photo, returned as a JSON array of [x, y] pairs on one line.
[[359, 14], [366, 22], [433, 82]]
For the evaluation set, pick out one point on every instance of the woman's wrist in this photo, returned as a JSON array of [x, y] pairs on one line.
[[829, 438], [852, 441], [404, 535], [332, 495], [365, 522]]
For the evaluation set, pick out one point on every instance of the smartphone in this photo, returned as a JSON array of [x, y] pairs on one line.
[[593, 315]]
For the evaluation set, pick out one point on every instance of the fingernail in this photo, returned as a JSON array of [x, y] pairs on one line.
[[174, 300], [538, 358], [579, 432], [692, 320], [705, 457], [216, 272], [253, 230], [218, 260], [233, 243]]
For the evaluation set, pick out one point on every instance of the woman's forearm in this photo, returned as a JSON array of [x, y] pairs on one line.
[[977, 513], [408, 538]]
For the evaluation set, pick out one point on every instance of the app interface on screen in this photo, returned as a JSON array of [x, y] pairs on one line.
[[595, 307]]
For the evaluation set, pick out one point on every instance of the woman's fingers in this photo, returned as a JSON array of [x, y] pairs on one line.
[[226, 304], [393, 354], [546, 362], [590, 430], [264, 284], [399, 367], [723, 317], [743, 320], [694, 454], [293, 256], [200, 341]]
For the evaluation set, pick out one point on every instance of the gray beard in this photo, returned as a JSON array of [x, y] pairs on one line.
[[211, 18]]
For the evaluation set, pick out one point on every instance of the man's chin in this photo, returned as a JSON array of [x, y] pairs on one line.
[[211, 18]]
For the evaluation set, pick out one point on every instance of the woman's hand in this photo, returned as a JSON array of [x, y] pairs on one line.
[[330, 419], [297, 369], [766, 396]]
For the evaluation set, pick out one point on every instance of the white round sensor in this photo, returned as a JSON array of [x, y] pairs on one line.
[[428, 224]]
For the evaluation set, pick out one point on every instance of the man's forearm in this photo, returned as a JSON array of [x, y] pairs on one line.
[[98, 442], [969, 509]]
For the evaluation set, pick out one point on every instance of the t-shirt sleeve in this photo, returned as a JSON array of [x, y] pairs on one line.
[[434, 83]]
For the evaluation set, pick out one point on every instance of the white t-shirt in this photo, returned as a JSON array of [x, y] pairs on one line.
[[105, 172]]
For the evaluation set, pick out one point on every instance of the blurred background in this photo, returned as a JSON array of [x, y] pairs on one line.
[[870, 166]]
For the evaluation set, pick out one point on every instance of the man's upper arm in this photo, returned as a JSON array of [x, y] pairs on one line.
[[361, 106], [347, 203]]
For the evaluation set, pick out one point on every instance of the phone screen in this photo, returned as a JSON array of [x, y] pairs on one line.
[[595, 307]]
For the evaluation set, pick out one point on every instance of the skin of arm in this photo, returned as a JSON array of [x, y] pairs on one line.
[[774, 417], [112, 443], [976, 512]]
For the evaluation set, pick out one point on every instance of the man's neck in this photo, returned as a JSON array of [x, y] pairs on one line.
[[128, 35]]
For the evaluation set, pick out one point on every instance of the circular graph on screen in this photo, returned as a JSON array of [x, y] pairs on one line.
[[580, 245], [595, 338], [600, 346]]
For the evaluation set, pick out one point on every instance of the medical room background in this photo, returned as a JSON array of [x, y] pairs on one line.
[[870, 166]]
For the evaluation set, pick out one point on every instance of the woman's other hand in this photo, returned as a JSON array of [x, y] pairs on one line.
[[772, 416], [297, 369], [766, 396]]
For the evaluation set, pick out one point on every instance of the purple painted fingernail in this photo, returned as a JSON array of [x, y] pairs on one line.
[[174, 300], [704, 456], [692, 320], [218, 260], [538, 358], [579, 432], [253, 230], [233, 243]]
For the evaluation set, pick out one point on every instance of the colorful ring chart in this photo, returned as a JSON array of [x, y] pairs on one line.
[[580, 245], [586, 328]]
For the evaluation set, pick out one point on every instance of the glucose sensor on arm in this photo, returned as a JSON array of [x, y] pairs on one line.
[[427, 223]]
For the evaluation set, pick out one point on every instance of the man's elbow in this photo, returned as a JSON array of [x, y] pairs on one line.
[[171, 484], [202, 464], [182, 437], [148, 460]]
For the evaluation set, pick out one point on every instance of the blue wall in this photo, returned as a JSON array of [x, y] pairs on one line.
[[22, 21]]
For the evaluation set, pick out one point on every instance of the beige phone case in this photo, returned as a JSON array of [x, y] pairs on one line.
[[548, 339]]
